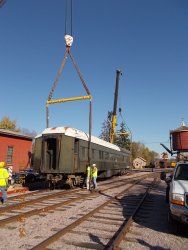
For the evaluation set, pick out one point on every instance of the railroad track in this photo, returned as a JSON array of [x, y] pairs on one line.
[[61, 202], [26, 205], [110, 214]]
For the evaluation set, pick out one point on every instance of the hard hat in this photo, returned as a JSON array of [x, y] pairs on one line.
[[94, 165], [2, 164]]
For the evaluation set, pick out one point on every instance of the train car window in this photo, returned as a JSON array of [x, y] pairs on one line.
[[106, 155], [111, 156], [93, 153], [101, 154], [83, 153], [119, 158], [76, 143]]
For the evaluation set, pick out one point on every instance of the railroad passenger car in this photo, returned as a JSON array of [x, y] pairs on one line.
[[61, 153]]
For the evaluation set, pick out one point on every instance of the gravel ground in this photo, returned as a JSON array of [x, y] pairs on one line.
[[153, 231], [149, 231]]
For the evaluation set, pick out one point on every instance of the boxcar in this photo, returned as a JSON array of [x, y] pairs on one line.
[[61, 153]]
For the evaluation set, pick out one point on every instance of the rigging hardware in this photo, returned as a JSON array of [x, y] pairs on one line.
[[68, 43]]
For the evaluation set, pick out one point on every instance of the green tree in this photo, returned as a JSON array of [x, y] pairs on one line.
[[120, 140], [106, 126], [137, 149], [123, 140], [8, 124]]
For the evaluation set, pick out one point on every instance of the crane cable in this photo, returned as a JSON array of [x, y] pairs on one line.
[[120, 109], [2, 2], [66, 17], [120, 114], [68, 42]]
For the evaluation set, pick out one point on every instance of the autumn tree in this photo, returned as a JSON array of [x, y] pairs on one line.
[[140, 150], [8, 124]]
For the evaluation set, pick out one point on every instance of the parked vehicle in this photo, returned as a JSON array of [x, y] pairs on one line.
[[177, 193]]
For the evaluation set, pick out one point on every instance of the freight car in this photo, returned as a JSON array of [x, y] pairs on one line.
[[60, 154]]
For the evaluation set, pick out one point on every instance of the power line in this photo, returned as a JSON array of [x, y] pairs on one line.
[[156, 142]]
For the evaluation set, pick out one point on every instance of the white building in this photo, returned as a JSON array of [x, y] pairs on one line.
[[139, 162]]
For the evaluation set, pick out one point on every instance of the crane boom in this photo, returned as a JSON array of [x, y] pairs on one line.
[[113, 124]]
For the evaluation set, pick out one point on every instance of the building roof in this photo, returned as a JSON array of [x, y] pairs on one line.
[[15, 134], [140, 158], [182, 128]]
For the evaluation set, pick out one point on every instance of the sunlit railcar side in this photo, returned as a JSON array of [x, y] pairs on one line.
[[62, 154]]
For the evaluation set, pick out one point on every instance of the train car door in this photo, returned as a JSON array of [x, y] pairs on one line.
[[76, 153], [50, 153]]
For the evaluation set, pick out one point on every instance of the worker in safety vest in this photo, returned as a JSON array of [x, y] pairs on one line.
[[10, 170], [3, 181], [94, 175], [88, 180]]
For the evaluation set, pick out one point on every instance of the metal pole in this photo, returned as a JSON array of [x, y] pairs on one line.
[[47, 117], [90, 128]]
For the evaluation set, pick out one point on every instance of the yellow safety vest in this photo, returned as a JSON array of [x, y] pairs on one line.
[[3, 177], [94, 173], [88, 171]]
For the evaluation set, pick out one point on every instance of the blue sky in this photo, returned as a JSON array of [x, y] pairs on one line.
[[146, 39]]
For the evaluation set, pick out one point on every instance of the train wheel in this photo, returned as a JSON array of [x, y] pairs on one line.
[[50, 185], [82, 181], [70, 182]]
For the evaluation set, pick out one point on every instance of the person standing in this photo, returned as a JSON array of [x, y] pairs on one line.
[[94, 175], [3, 181], [88, 180], [10, 170]]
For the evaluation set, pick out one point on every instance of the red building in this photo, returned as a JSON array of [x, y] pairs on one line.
[[15, 149]]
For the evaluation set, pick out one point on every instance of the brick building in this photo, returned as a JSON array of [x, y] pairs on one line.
[[15, 149]]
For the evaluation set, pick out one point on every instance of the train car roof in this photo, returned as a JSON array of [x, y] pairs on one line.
[[80, 135]]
